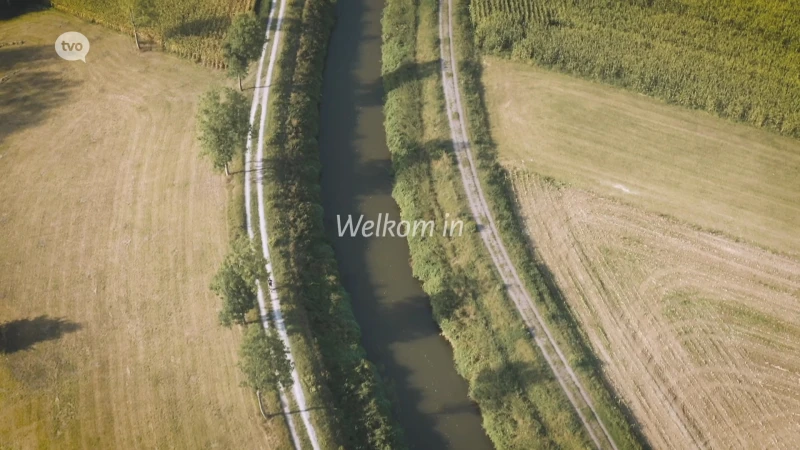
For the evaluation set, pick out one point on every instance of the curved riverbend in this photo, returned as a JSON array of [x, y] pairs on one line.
[[398, 330]]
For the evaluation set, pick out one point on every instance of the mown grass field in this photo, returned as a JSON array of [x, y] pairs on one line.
[[737, 59], [193, 30], [111, 228], [688, 164], [672, 235]]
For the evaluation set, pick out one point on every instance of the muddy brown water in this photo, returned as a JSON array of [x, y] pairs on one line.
[[395, 316]]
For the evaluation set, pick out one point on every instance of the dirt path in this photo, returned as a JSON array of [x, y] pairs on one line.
[[555, 358], [262, 90]]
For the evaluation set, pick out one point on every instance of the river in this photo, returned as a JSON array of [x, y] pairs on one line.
[[398, 330]]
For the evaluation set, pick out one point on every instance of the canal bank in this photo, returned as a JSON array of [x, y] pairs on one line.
[[398, 330]]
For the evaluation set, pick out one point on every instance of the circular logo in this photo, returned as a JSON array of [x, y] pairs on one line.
[[72, 46]]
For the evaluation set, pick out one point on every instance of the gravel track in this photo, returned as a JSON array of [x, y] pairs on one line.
[[261, 97], [555, 358]]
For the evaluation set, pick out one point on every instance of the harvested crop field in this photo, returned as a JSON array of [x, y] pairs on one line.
[[716, 174], [699, 334], [111, 227], [672, 235]]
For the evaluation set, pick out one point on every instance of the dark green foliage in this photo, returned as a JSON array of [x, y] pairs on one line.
[[302, 259], [142, 12], [235, 282], [243, 44], [515, 412], [11, 8], [738, 59], [263, 359], [222, 125]]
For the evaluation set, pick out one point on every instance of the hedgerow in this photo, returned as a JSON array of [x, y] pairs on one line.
[[303, 260]]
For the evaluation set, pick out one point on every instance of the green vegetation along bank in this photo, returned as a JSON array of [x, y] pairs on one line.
[[325, 336], [350, 407], [521, 403], [738, 59]]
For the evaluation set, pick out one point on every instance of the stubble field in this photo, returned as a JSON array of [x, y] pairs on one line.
[[699, 334], [715, 174], [111, 227], [697, 330]]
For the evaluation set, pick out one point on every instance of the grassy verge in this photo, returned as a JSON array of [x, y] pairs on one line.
[[350, 406], [521, 402], [540, 283]]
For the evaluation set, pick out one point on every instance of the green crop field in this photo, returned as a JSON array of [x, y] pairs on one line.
[[191, 29], [738, 59]]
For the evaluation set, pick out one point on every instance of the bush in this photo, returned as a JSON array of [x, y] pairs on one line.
[[263, 359], [235, 282], [222, 125]]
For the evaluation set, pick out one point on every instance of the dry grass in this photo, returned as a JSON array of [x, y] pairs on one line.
[[687, 164], [698, 333], [111, 227]]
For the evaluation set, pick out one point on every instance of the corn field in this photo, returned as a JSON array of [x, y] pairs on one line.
[[738, 59], [191, 29]]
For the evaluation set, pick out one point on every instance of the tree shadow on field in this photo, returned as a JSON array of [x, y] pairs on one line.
[[408, 72], [27, 90], [494, 386], [22, 334]]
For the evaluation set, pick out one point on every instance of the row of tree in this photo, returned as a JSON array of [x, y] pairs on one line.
[[345, 383], [222, 118], [263, 356], [223, 128]]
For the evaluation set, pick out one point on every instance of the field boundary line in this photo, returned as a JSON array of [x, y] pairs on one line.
[[491, 237], [280, 326]]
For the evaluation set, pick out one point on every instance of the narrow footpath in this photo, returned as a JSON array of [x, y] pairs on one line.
[[261, 98]]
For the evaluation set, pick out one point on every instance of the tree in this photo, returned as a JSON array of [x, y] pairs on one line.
[[235, 282], [243, 44], [222, 125], [141, 13], [264, 359]]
